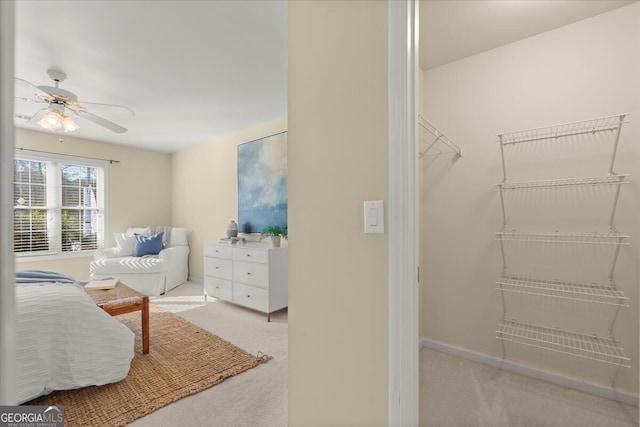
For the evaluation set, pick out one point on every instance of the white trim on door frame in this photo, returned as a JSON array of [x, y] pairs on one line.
[[403, 215], [8, 394]]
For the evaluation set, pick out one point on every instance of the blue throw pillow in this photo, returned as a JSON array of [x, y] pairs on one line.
[[147, 245]]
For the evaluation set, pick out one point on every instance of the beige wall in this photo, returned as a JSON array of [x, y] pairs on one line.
[[205, 188], [338, 315], [139, 189], [585, 70]]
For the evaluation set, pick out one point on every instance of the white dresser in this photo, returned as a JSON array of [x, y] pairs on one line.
[[253, 275]]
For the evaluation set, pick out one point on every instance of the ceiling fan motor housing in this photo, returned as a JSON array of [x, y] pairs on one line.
[[56, 91], [56, 75], [54, 106]]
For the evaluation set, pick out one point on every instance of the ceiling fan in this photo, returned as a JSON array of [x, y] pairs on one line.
[[58, 101]]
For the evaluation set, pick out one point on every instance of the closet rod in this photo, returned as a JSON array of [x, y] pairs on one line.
[[61, 154]]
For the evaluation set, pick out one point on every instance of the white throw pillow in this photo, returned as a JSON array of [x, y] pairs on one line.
[[125, 243]]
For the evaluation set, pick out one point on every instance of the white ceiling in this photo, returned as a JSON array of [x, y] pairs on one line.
[[194, 71], [191, 70]]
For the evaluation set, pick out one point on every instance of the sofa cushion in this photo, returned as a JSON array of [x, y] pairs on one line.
[[147, 245], [124, 244], [131, 265]]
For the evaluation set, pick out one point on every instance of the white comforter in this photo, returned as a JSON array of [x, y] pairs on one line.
[[65, 341]]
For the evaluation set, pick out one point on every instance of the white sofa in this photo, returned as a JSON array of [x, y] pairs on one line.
[[149, 274]]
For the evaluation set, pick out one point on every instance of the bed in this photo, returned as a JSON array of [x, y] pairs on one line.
[[64, 341]]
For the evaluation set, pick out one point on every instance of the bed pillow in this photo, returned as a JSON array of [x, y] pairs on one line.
[[125, 244], [147, 245]]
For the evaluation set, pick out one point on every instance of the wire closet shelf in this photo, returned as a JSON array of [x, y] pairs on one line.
[[440, 145], [613, 179], [593, 292], [591, 347], [586, 346], [591, 126], [564, 237]]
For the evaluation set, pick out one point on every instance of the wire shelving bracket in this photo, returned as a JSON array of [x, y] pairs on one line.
[[434, 147]]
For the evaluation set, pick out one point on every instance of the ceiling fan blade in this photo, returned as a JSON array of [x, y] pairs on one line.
[[35, 101], [120, 107], [36, 90], [37, 116], [101, 121]]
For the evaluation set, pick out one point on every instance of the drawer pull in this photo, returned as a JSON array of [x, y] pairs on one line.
[[249, 255], [248, 295], [248, 273], [217, 268]]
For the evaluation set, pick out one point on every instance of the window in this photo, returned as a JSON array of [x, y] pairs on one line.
[[59, 204]]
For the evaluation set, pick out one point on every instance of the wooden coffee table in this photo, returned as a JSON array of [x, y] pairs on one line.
[[122, 300]]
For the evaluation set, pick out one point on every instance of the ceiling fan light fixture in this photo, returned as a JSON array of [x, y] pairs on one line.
[[52, 120], [55, 120], [69, 125]]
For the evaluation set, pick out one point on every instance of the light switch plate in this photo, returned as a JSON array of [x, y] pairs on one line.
[[374, 216]]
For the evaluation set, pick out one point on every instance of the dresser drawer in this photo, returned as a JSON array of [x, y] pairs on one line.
[[217, 267], [251, 273], [251, 255], [218, 288], [217, 251], [251, 296]]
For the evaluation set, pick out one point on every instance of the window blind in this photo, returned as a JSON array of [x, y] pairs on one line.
[[59, 204]]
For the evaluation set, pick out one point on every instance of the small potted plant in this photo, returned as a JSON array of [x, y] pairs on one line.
[[275, 232]]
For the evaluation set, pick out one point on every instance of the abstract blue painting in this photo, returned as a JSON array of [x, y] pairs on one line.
[[262, 183]]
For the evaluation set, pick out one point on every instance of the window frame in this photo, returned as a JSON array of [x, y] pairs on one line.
[[56, 209]]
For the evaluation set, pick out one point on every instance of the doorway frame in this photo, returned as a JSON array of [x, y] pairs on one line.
[[403, 214], [8, 395]]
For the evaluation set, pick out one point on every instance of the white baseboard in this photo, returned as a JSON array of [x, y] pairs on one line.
[[540, 374]]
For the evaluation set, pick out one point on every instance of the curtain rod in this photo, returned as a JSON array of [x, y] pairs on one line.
[[60, 154]]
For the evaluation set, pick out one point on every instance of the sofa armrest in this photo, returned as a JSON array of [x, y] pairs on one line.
[[106, 253], [177, 260], [174, 252]]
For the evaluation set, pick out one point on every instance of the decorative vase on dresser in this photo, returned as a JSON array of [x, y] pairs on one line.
[[253, 275], [232, 229]]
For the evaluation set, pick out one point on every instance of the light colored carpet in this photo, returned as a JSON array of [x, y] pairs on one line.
[[251, 399], [456, 392]]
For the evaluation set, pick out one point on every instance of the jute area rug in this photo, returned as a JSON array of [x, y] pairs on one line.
[[183, 359]]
